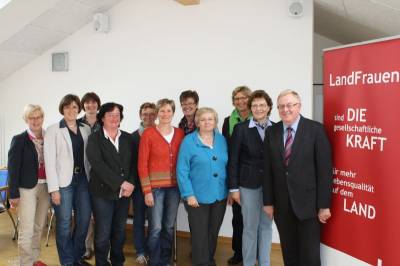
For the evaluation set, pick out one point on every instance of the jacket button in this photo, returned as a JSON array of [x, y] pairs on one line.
[[287, 173], [215, 174], [214, 158]]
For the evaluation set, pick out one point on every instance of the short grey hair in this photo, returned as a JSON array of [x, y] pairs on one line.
[[287, 92], [205, 110], [30, 109]]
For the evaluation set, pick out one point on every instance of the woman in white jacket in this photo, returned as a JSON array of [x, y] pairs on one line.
[[67, 177]]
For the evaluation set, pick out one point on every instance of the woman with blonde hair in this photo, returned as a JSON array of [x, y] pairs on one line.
[[202, 180], [28, 188]]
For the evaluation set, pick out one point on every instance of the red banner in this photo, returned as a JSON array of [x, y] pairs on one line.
[[362, 118]]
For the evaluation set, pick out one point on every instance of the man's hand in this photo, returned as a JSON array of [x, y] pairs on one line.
[[324, 215]]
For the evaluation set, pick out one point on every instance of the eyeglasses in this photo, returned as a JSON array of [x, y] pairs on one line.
[[112, 115], [35, 117], [261, 106], [289, 106], [188, 104], [240, 98], [149, 114]]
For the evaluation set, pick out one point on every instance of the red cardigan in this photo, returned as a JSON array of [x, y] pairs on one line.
[[157, 159]]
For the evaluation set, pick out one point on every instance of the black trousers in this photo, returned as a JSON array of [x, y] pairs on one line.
[[237, 227], [300, 239], [205, 222]]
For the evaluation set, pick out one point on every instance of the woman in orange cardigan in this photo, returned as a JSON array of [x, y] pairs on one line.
[[158, 152]]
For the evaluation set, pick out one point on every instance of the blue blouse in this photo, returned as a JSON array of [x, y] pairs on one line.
[[201, 170]]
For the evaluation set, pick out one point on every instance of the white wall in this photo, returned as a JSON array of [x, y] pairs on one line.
[[320, 43], [157, 48]]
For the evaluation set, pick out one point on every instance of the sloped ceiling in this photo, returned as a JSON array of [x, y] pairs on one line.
[[29, 28], [349, 21]]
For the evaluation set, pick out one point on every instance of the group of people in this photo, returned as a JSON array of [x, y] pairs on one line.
[[92, 170]]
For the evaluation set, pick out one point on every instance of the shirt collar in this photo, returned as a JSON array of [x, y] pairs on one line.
[[197, 139], [108, 136], [293, 126], [64, 124], [253, 123], [32, 135]]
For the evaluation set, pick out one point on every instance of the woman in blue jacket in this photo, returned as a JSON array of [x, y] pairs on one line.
[[202, 180]]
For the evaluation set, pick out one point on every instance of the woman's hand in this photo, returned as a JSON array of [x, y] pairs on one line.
[[14, 202], [235, 196], [269, 211], [126, 189], [149, 200], [56, 197], [192, 201]]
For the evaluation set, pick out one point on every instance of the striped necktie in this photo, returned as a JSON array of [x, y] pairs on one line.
[[288, 145]]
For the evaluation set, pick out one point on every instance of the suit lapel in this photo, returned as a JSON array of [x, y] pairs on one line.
[[122, 147], [255, 137], [279, 139], [84, 133], [67, 138], [31, 147], [110, 148]]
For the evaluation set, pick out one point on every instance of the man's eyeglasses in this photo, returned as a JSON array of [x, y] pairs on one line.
[[289, 106]]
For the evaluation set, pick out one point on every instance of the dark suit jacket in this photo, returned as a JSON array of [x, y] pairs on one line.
[[225, 129], [307, 181], [109, 168], [22, 164], [135, 157], [246, 157]]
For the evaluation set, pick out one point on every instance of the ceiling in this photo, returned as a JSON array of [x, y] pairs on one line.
[[349, 21], [42, 24]]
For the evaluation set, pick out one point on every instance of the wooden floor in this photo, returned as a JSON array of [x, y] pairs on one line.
[[9, 250]]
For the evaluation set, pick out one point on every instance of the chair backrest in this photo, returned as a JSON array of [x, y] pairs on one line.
[[3, 182]]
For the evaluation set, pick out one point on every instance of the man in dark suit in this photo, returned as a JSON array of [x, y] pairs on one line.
[[298, 181]]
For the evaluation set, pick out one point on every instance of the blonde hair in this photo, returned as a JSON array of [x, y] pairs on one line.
[[243, 89], [30, 109], [287, 92], [204, 110], [165, 101]]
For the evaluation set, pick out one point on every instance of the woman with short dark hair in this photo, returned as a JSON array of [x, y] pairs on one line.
[[189, 100], [90, 103], [67, 179], [109, 152], [246, 166]]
